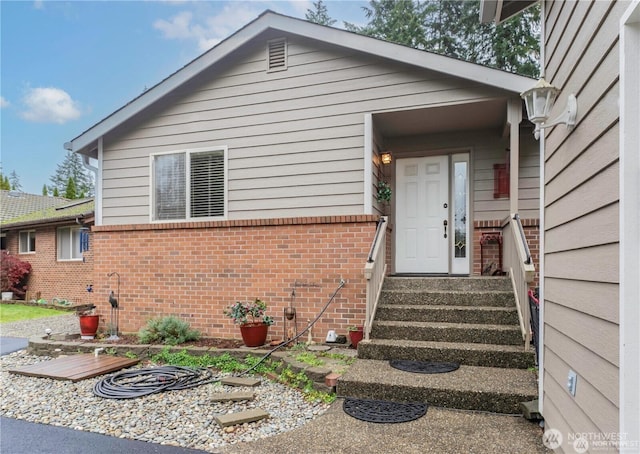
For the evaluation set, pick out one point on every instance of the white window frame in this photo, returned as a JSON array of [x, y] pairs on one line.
[[70, 231], [31, 233], [188, 152]]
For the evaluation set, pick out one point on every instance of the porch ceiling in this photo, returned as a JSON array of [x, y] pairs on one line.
[[460, 117]]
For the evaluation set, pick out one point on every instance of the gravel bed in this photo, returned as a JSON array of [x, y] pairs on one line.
[[181, 418]]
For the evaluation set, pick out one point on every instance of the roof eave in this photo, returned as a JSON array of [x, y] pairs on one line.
[[86, 142]]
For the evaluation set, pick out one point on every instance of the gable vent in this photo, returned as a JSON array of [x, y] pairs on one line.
[[277, 54]]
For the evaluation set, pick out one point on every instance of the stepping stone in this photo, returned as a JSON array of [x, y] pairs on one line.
[[240, 381], [232, 397], [233, 419]]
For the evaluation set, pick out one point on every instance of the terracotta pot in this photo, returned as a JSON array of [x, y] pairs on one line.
[[88, 326], [254, 334], [356, 336]]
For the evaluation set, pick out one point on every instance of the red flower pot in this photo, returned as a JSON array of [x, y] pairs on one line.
[[89, 326], [356, 336], [254, 334]]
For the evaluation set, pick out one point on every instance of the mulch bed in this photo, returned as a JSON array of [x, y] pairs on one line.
[[132, 339]]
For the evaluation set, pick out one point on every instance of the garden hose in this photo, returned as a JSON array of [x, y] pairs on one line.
[[142, 382], [270, 352]]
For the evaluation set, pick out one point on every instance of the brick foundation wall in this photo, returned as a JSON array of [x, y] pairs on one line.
[[195, 270], [489, 253], [53, 279]]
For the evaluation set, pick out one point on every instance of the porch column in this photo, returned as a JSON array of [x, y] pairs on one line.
[[514, 117]]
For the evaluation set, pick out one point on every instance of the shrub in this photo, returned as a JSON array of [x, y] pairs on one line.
[[14, 274], [168, 330]]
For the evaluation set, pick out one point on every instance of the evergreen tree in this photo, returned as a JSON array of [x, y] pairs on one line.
[[14, 181], [453, 28], [72, 168], [319, 15], [45, 190], [70, 190], [4, 182], [56, 193]]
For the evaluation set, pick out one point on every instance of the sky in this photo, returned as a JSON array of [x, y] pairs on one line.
[[66, 65]]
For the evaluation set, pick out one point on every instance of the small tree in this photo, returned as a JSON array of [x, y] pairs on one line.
[[319, 15], [45, 190], [70, 192], [13, 274]]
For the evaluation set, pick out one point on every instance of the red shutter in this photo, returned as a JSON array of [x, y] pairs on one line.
[[500, 181]]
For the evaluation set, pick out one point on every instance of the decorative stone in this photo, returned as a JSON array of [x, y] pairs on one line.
[[240, 381], [232, 397], [233, 419]]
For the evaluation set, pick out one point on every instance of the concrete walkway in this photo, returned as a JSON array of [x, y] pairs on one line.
[[439, 431]]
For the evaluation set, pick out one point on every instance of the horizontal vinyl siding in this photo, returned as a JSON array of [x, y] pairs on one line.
[[581, 220], [294, 137], [487, 148]]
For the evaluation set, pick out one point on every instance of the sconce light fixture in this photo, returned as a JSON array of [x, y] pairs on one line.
[[385, 157], [539, 101]]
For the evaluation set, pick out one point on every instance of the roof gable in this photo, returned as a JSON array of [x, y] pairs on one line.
[[86, 143]]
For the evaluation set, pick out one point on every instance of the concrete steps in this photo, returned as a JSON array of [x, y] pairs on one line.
[[487, 355], [451, 314], [447, 332], [468, 388], [470, 321]]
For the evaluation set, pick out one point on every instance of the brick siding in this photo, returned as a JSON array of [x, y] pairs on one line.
[[53, 279], [489, 253], [195, 270]]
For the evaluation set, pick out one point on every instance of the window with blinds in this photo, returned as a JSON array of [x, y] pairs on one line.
[[189, 185], [207, 184]]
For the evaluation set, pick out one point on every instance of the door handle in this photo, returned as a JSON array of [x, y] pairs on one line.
[[445, 223]]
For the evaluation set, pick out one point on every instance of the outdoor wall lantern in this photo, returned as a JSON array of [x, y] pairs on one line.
[[385, 157], [539, 101]]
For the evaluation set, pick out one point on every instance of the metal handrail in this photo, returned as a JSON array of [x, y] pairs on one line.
[[381, 221], [523, 238]]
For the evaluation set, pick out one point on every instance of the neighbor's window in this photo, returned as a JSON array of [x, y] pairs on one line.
[[188, 185], [27, 240], [69, 243]]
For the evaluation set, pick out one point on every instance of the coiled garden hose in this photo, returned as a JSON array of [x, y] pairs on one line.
[[142, 382]]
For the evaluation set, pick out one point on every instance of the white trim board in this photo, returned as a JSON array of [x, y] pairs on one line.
[[630, 227]]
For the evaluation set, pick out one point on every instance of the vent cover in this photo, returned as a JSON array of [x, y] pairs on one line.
[[277, 54]]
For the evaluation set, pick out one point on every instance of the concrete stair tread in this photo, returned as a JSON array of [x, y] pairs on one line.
[[446, 345], [433, 307], [445, 325], [475, 379], [438, 291]]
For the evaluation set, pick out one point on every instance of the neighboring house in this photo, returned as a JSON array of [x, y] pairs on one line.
[[253, 170], [17, 203], [590, 274], [57, 243]]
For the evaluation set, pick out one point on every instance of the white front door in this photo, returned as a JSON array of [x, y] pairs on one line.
[[422, 215]]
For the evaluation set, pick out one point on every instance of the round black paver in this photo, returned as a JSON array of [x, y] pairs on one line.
[[382, 411], [423, 367]]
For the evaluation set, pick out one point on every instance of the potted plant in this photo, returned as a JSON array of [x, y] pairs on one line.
[[89, 322], [384, 192], [356, 333], [13, 276], [254, 323]]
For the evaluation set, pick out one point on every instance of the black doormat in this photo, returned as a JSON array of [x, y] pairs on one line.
[[423, 367], [382, 411]]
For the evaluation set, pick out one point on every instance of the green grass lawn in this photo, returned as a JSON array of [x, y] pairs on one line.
[[17, 312]]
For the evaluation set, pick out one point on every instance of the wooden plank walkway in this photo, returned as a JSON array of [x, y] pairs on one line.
[[75, 367]]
